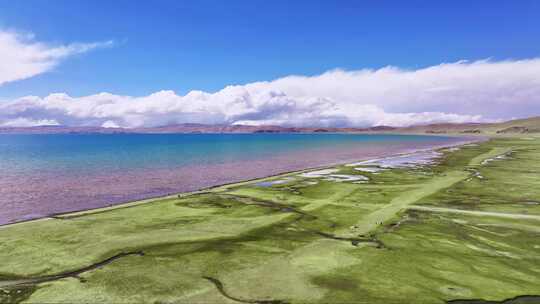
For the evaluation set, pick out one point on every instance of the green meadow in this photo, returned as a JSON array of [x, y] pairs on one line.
[[463, 230]]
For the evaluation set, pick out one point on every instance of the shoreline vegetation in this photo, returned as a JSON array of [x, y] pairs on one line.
[[459, 225]]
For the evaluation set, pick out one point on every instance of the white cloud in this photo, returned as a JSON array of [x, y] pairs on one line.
[[22, 57], [452, 92], [109, 124], [25, 122]]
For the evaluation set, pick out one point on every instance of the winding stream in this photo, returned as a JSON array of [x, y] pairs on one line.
[[67, 274]]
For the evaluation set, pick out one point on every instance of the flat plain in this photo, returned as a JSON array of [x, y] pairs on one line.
[[463, 228]]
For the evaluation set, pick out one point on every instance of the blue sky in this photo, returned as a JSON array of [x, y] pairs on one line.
[[206, 45], [357, 63]]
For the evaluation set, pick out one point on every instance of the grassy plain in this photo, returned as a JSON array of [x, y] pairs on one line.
[[464, 228]]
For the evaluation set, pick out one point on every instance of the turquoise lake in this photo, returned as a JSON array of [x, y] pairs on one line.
[[45, 174]]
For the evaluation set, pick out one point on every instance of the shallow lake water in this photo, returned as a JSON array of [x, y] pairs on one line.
[[42, 175]]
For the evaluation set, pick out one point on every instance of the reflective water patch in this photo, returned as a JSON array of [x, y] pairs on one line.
[[319, 173], [345, 178], [369, 169], [275, 182], [420, 158]]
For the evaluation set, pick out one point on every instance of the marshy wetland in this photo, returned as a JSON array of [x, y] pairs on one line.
[[452, 226]]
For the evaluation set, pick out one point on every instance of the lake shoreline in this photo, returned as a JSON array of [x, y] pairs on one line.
[[131, 203]]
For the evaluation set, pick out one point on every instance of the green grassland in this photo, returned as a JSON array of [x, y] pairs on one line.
[[464, 229]]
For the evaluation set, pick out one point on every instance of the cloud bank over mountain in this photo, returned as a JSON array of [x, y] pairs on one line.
[[451, 92]]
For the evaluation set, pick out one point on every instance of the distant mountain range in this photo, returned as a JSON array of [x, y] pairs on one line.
[[528, 125], [186, 128]]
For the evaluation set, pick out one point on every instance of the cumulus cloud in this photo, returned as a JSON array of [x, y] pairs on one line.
[[450, 92], [22, 57]]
